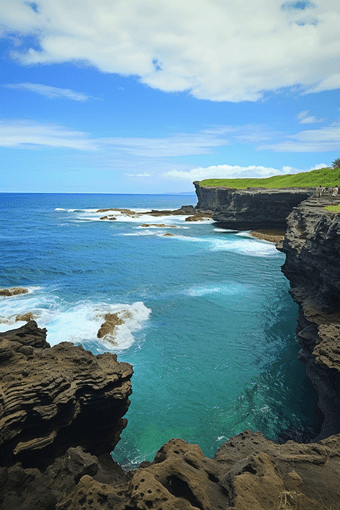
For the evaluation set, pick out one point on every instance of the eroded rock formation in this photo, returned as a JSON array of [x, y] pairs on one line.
[[252, 208], [312, 248], [249, 472], [55, 398]]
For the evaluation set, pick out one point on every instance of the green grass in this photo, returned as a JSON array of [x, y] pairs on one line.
[[326, 177], [332, 208]]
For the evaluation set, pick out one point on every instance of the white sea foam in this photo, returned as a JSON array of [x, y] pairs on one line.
[[225, 230], [137, 216], [41, 305], [227, 289], [83, 321], [252, 247], [76, 324]]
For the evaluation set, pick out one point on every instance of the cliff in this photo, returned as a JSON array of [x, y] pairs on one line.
[[312, 248], [250, 209]]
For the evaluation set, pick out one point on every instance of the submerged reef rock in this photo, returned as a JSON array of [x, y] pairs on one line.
[[186, 210], [13, 291], [251, 208], [312, 248], [55, 398]]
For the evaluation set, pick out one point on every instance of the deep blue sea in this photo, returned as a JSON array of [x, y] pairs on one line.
[[209, 324]]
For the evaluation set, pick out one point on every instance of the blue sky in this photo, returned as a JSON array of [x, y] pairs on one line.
[[146, 96]]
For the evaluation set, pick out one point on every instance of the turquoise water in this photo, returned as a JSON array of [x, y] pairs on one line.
[[209, 324]]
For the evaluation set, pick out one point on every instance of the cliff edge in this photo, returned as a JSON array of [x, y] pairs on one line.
[[252, 208], [312, 249]]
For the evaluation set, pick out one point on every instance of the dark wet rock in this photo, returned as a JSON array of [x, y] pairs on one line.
[[252, 208], [312, 248], [54, 398]]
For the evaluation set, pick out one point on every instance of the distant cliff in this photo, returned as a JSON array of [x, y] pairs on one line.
[[252, 208]]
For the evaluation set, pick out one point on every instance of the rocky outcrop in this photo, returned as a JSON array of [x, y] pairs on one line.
[[312, 248], [248, 472], [14, 291], [55, 398], [252, 208], [189, 211]]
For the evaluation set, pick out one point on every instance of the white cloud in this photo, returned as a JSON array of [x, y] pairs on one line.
[[329, 83], [217, 50], [30, 134], [178, 144], [226, 172], [312, 140], [138, 175], [305, 118], [48, 91], [234, 172]]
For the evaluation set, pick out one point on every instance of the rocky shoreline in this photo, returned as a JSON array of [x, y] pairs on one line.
[[62, 408]]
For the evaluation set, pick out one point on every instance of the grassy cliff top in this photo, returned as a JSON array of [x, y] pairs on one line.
[[326, 177]]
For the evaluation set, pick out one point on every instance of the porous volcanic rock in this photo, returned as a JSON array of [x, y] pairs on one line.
[[54, 398], [249, 472], [252, 208], [312, 248]]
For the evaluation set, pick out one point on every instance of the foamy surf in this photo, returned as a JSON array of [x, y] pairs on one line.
[[83, 322], [128, 216], [227, 289], [245, 246], [36, 305]]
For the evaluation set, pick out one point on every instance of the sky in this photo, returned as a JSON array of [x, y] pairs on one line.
[[147, 96]]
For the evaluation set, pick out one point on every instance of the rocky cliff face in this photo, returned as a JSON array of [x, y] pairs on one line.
[[312, 248], [250, 209]]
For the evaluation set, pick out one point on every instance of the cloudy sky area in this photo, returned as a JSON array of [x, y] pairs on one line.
[[145, 96]]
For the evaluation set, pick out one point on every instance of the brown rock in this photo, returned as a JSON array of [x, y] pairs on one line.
[[13, 291], [54, 398], [249, 472], [271, 235], [112, 320]]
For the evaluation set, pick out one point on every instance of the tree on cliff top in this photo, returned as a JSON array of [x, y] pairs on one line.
[[336, 163]]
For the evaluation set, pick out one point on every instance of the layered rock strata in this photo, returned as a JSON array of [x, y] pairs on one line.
[[55, 398], [312, 248], [252, 208]]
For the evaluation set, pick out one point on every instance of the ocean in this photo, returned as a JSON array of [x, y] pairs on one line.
[[207, 320]]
